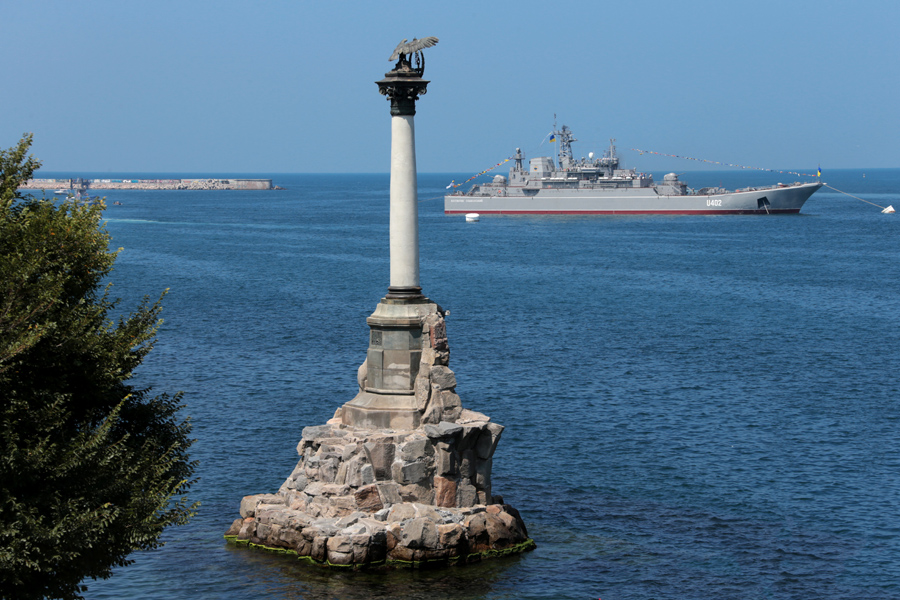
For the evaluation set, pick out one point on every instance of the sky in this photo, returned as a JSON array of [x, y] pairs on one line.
[[227, 86]]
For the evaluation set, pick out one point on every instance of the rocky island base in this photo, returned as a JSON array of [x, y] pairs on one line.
[[359, 498]]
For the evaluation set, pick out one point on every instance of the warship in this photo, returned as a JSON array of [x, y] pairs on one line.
[[598, 186]]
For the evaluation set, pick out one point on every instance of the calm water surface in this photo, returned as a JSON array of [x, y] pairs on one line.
[[696, 407]]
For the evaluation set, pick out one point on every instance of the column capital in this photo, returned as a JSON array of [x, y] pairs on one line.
[[402, 88]]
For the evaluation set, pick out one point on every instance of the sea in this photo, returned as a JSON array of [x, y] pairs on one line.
[[696, 407]]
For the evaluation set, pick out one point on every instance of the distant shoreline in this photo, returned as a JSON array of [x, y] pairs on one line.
[[76, 184]]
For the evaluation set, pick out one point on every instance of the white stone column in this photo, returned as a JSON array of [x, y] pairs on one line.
[[404, 204]]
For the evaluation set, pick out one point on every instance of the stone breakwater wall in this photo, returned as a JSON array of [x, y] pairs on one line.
[[363, 498], [150, 184]]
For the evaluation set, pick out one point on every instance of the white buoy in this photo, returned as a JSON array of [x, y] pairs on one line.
[[472, 217], [889, 210]]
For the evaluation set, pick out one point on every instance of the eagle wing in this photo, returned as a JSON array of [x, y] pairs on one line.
[[398, 50], [414, 46]]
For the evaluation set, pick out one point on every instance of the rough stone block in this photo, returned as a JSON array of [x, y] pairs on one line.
[[389, 492], [235, 527], [483, 474], [443, 377], [378, 546], [328, 469], [382, 514], [423, 391], [392, 535], [469, 436], [323, 527], [380, 455], [450, 535], [450, 399], [297, 482], [401, 552], [339, 543], [498, 533], [248, 529], [353, 474], [316, 488], [349, 520], [471, 416], [361, 544], [476, 532], [466, 495], [368, 499], [350, 451], [304, 547], [316, 431], [367, 474], [262, 532], [467, 464], [334, 489], [416, 447], [512, 511], [444, 492], [488, 440], [340, 558], [289, 538], [417, 492], [427, 359], [450, 414], [427, 511], [250, 503], [342, 505], [406, 473], [419, 533], [401, 512], [341, 476], [446, 461]]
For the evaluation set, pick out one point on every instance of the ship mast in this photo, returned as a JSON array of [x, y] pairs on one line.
[[565, 138]]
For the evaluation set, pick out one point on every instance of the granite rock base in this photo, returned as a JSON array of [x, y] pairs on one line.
[[367, 498]]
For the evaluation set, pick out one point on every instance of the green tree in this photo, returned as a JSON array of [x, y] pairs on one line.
[[91, 468]]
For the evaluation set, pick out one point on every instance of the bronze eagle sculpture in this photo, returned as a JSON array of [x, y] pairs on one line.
[[416, 45]]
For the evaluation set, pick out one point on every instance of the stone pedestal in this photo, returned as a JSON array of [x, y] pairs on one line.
[[416, 491], [387, 378]]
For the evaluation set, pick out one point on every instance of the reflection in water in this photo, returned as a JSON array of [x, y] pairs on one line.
[[285, 577]]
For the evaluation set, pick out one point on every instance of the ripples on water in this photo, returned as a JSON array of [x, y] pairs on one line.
[[696, 407]]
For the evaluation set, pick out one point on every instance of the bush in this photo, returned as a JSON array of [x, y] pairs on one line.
[[91, 468]]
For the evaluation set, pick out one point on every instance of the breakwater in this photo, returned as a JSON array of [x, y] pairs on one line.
[[77, 184]]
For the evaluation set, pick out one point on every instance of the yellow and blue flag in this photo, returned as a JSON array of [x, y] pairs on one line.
[[552, 138], [819, 172]]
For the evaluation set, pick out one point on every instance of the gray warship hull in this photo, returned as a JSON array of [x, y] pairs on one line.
[[763, 200], [599, 187]]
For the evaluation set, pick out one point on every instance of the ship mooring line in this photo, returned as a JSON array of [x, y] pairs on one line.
[[852, 196]]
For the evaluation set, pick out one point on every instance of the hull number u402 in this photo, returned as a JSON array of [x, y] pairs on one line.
[[714, 202]]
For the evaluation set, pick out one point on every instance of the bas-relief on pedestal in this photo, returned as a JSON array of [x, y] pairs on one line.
[[401, 475]]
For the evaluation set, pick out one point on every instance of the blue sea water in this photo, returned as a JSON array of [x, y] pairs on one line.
[[696, 407]]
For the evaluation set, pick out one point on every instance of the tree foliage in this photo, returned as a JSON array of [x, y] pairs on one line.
[[91, 468]]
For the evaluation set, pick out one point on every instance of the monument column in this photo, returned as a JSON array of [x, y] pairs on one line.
[[404, 207], [387, 379], [403, 86]]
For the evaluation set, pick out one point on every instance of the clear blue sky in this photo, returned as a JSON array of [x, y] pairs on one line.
[[287, 86]]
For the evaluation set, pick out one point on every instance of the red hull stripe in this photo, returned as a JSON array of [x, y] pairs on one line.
[[625, 212]]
